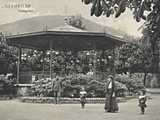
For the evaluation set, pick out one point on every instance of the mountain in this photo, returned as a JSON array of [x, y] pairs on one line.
[[36, 24]]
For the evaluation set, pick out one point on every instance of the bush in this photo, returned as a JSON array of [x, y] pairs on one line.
[[133, 82], [7, 86], [71, 86], [42, 87]]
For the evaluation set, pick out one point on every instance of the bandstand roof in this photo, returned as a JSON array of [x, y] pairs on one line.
[[64, 38]]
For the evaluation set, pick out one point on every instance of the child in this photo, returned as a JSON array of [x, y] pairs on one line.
[[142, 101], [83, 98]]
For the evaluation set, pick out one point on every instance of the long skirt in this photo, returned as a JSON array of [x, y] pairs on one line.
[[111, 104]]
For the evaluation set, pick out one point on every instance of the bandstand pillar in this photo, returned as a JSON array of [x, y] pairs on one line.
[[51, 59], [18, 64], [43, 69]]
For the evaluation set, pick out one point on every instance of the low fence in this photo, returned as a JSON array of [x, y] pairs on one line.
[[51, 100]]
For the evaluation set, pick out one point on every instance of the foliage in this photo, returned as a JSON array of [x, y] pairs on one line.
[[7, 85], [132, 57], [117, 7], [67, 62], [8, 57], [42, 87], [32, 59], [133, 83], [72, 85], [148, 10]]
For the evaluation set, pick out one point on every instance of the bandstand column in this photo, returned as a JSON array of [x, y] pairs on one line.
[[18, 64], [95, 59], [43, 69], [51, 58]]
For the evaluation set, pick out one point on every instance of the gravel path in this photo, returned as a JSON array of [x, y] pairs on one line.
[[14, 110]]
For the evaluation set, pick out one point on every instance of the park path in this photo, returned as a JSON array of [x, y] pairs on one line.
[[14, 110]]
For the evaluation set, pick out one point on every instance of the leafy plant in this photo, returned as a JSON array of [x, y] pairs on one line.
[[148, 10]]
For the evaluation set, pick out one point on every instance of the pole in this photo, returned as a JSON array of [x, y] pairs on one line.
[[51, 56], [18, 64], [95, 59], [114, 69], [43, 62]]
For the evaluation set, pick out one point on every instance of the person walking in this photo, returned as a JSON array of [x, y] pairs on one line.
[[111, 102], [142, 101]]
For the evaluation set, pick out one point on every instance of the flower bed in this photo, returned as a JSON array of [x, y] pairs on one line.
[[50, 100]]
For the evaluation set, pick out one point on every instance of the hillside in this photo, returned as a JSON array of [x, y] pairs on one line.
[[51, 21]]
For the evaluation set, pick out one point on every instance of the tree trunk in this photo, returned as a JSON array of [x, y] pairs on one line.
[[144, 79]]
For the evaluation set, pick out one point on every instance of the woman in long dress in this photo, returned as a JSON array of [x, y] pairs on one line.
[[111, 103]]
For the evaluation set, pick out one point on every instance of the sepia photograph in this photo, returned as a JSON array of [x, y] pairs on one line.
[[79, 59]]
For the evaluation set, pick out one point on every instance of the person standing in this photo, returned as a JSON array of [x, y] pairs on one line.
[[111, 102], [142, 101], [83, 94], [57, 87]]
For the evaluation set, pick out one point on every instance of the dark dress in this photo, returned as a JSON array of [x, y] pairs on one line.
[[111, 102]]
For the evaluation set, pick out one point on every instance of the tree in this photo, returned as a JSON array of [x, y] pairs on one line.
[[148, 10], [133, 58], [8, 57]]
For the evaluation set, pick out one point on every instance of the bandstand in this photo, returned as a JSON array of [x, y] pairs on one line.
[[63, 38]]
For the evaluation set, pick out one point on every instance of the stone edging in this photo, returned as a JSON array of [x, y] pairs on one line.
[[50, 100]]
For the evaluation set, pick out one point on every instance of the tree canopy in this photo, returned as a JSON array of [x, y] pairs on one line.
[[7, 57], [148, 10], [117, 7]]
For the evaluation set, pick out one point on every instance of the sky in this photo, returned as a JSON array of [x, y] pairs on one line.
[[8, 13]]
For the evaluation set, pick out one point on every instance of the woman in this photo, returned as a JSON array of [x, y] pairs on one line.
[[110, 103]]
